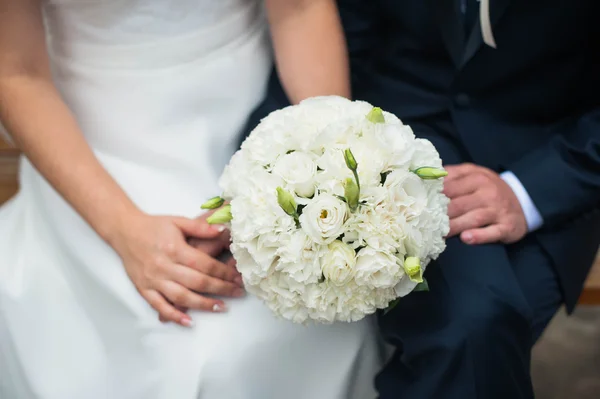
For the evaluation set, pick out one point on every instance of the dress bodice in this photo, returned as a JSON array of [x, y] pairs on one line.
[[135, 21]]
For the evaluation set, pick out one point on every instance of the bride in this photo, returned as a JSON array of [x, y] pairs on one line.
[[127, 110]]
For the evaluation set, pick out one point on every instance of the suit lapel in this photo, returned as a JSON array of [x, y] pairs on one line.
[[448, 16], [475, 40]]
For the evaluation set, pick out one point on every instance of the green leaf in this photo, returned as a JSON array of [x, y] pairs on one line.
[[343, 199], [423, 286], [391, 306]]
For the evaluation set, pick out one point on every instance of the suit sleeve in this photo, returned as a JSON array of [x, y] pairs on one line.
[[563, 176], [362, 21]]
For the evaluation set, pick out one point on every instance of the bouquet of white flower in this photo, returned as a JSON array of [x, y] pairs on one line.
[[335, 210]]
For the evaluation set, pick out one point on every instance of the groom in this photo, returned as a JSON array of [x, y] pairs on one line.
[[518, 127]]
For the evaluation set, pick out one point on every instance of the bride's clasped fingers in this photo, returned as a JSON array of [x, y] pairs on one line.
[[206, 275], [170, 274]]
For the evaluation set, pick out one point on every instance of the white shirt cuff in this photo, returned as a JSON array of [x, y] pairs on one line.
[[532, 215]]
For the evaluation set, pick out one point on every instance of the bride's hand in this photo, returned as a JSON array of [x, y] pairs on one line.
[[168, 272]]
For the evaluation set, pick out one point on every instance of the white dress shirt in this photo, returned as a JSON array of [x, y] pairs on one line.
[[532, 215]]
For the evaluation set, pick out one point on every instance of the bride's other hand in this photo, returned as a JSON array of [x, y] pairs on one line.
[[168, 272]]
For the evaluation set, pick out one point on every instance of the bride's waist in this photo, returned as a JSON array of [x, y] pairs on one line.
[[167, 187], [238, 28]]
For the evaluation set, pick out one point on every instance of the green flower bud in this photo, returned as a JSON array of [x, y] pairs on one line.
[[286, 202], [213, 203], [429, 173], [220, 216], [376, 115], [351, 193], [412, 268], [350, 160]]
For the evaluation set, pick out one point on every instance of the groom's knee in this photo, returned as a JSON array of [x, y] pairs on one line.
[[484, 321], [472, 324]]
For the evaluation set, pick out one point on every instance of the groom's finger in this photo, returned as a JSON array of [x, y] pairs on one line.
[[471, 220], [485, 235], [462, 186], [459, 171], [460, 205]]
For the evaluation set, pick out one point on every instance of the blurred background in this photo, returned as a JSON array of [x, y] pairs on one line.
[[566, 361]]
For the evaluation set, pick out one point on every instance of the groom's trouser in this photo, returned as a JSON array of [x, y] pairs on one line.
[[471, 335]]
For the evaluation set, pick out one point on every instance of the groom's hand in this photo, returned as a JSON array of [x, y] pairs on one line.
[[483, 208]]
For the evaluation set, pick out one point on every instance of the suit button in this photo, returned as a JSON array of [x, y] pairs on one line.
[[462, 100]]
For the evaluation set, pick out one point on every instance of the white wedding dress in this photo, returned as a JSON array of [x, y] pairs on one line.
[[161, 90]]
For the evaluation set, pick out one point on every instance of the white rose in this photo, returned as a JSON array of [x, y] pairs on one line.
[[338, 263], [376, 269], [297, 169], [323, 218]]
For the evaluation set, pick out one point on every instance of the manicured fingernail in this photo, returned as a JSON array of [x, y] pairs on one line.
[[220, 228], [219, 308], [468, 238], [187, 322], [239, 292], [239, 281]]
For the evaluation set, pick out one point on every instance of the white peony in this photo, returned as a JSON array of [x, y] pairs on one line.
[[323, 218]]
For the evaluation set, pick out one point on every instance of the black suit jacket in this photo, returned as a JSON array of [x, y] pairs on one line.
[[531, 106]]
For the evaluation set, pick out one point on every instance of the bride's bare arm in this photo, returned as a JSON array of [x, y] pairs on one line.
[[310, 48], [153, 249], [43, 127]]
